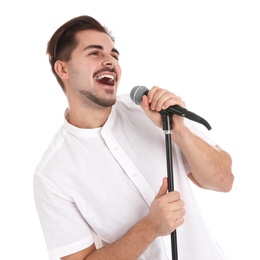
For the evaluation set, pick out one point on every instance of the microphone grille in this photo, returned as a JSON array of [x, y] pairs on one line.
[[137, 93]]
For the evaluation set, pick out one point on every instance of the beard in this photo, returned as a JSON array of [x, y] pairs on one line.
[[99, 101]]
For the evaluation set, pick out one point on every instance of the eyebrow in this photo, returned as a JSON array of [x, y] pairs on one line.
[[95, 46]]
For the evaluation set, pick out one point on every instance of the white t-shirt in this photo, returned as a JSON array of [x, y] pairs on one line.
[[93, 185]]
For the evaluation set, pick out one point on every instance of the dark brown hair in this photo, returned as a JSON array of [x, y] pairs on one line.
[[63, 41]]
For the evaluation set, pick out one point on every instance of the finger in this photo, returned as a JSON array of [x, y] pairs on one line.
[[162, 99], [163, 189], [177, 204], [179, 222], [157, 98], [171, 100], [144, 103], [151, 93]]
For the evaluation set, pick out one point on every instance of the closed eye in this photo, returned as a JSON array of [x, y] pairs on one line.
[[94, 53], [97, 53], [115, 57]]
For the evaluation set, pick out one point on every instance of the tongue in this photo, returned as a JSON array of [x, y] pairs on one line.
[[106, 81]]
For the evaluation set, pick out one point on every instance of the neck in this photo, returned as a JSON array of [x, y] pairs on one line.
[[86, 118]]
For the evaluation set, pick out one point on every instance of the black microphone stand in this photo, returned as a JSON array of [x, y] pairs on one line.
[[167, 128]]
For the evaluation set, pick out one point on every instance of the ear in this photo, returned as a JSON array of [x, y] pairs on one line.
[[61, 69]]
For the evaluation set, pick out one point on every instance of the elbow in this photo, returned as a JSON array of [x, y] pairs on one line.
[[227, 179], [227, 183]]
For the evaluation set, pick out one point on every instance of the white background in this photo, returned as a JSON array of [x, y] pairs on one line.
[[207, 52]]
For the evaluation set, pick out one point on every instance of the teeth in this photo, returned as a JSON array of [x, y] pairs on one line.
[[105, 76]]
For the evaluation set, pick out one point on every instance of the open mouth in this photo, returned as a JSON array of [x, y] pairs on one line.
[[106, 79]]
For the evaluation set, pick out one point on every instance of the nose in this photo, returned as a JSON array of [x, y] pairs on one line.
[[109, 62]]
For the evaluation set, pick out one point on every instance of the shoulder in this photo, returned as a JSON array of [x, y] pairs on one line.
[[52, 150], [125, 100], [125, 107]]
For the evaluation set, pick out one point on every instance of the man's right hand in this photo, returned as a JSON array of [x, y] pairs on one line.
[[166, 211]]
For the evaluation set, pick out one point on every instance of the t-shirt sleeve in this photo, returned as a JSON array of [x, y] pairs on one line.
[[65, 230]]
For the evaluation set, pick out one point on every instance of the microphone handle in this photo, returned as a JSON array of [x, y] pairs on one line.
[[180, 111]]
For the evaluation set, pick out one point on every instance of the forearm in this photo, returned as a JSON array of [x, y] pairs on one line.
[[166, 213], [130, 246], [210, 166]]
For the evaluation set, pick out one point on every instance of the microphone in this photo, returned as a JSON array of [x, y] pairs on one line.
[[137, 93]]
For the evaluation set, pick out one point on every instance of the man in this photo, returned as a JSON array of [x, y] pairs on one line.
[[100, 188]]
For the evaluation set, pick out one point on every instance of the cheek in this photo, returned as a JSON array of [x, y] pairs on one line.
[[118, 72], [78, 78], [81, 71]]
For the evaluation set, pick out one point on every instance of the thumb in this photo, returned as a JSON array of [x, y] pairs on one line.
[[145, 104], [163, 188]]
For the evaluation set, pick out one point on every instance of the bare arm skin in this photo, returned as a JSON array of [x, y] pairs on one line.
[[210, 165], [165, 215], [210, 169]]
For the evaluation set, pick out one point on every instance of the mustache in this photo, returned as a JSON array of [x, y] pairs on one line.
[[104, 70]]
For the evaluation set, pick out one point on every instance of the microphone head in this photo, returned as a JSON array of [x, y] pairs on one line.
[[137, 93]]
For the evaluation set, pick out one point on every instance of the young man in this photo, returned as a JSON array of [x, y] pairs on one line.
[[100, 188]]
